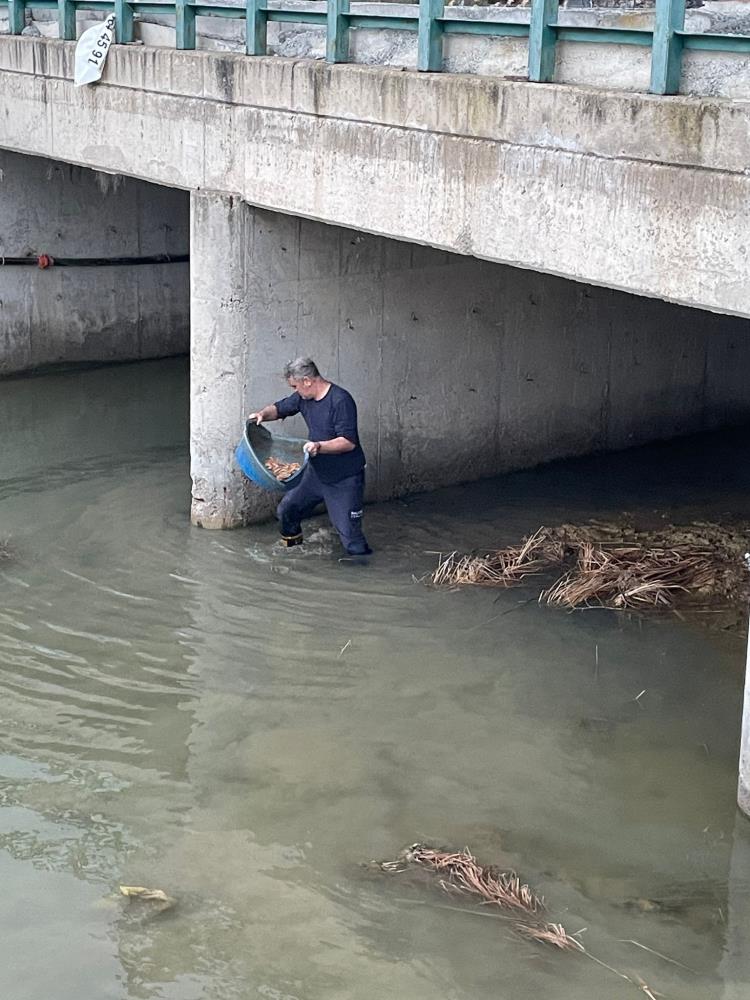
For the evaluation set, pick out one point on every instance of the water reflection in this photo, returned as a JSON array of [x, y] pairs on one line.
[[243, 727]]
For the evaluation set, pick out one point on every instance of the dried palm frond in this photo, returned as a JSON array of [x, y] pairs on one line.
[[554, 934], [461, 872]]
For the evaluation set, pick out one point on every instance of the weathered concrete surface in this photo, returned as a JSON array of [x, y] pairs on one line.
[[734, 968], [78, 314], [222, 350], [639, 193], [460, 368], [743, 787], [624, 67]]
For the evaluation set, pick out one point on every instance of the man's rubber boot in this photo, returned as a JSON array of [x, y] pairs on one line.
[[357, 558], [290, 540]]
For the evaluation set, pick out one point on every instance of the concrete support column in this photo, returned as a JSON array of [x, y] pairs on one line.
[[743, 787], [734, 968], [220, 341]]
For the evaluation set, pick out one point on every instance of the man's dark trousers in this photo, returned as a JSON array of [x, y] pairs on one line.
[[343, 502]]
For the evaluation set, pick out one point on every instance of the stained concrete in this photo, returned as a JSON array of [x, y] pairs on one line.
[[743, 785], [634, 192], [81, 314], [388, 206], [223, 351], [624, 67], [460, 368]]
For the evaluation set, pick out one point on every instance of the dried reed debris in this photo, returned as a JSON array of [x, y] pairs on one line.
[[459, 873], [617, 566], [503, 567], [554, 934]]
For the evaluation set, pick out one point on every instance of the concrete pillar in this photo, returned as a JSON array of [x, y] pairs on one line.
[[734, 968], [743, 786], [220, 342]]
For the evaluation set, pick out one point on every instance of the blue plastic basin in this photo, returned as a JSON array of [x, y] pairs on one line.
[[258, 445]]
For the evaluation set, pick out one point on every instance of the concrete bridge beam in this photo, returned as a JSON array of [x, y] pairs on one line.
[[629, 191]]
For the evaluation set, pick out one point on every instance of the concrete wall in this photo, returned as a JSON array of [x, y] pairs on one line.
[[631, 191], [461, 368], [76, 314]]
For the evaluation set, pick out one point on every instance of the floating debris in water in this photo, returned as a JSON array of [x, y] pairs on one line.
[[140, 892], [613, 565], [554, 934], [282, 470], [157, 897], [460, 873]]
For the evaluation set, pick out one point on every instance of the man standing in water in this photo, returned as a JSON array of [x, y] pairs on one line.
[[335, 472]]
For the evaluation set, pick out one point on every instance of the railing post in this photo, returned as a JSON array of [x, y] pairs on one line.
[[430, 38], [66, 20], [16, 16], [542, 39], [337, 31], [666, 51], [123, 21], [256, 28], [184, 24]]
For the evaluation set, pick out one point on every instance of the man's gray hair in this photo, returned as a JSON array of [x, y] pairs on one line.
[[301, 368]]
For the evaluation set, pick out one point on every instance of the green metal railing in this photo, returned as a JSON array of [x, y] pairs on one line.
[[667, 40]]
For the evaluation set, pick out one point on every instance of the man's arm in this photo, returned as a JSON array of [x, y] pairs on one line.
[[336, 446], [267, 413]]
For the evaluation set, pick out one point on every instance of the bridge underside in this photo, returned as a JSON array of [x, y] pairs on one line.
[[462, 368], [630, 191], [369, 217]]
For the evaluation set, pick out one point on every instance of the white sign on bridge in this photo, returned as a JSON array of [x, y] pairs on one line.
[[91, 51]]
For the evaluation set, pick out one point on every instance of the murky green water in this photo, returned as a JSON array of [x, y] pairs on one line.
[[243, 727]]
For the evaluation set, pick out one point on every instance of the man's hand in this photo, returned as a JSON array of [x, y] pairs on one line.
[[336, 446], [267, 413]]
